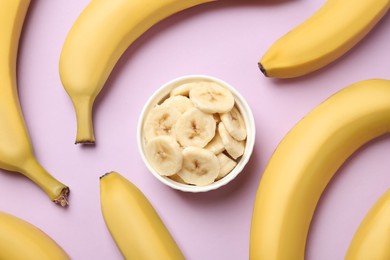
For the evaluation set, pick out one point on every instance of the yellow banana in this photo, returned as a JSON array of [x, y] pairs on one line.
[[16, 153], [132, 221], [20, 240], [96, 41], [305, 161], [372, 239], [334, 29]]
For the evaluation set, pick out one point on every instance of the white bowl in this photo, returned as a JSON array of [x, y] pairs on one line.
[[161, 94]]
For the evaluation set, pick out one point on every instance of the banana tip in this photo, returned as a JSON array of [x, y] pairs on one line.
[[104, 175], [262, 69]]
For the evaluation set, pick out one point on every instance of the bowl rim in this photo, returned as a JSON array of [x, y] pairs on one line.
[[245, 110]]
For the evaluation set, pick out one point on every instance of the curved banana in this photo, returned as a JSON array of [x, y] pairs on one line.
[[306, 160], [132, 221], [16, 152], [372, 239], [97, 40], [22, 240], [334, 29]]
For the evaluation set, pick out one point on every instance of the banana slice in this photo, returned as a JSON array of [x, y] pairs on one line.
[[182, 90], [233, 147], [160, 121], [181, 103], [226, 165], [234, 124], [215, 145], [177, 178], [164, 155], [195, 128], [200, 166], [211, 97]]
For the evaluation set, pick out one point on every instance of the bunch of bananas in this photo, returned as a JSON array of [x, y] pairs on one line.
[[295, 177]]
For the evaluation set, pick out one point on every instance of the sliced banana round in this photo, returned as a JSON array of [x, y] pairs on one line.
[[200, 166], [160, 121], [164, 155], [215, 145], [195, 128], [177, 178], [211, 97], [234, 124], [226, 163], [233, 147], [181, 103], [182, 90]]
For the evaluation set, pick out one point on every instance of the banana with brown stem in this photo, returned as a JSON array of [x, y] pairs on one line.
[[16, 152], [97, 40], [324, 37], [305, 161]]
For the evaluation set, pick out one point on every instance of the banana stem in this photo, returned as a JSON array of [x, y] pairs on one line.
[[56, 191], [85, 133]]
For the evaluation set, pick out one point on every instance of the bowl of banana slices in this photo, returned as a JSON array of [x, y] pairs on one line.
[[196, 133]]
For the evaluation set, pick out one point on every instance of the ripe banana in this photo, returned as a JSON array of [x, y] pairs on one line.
[[372, 239], [133, 222], [96, 41], [22, 240], [16, 153], [334, 29], [305, 161]]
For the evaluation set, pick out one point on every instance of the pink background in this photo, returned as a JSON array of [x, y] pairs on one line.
[[223, 39]]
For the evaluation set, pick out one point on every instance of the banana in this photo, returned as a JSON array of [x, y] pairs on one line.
[[160, 121], [177, 178], [16, 152], [200, 166], [195, 128], [372, 239], [181, 103], [132, 221], [234, 124], [96, 41], [210, 97], [22, 240], [233, 147], [226, 165], [306, 160], [329, 33], [183, 90], [215, 145], [164, 155]]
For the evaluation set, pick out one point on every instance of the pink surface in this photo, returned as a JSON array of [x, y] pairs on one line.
[[225, 40]]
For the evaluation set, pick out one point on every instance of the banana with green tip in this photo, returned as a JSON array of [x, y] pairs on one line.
[[98, 38], [16, 153], [305, 161], [333, 30], [372, 239], [132, 221], [22, 240]]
